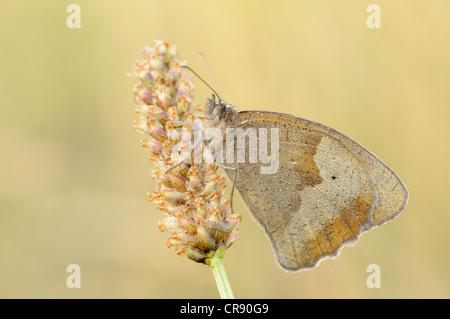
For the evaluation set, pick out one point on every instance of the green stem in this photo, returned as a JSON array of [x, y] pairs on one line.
[[218, 268]]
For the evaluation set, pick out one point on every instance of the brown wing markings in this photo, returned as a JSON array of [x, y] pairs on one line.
[[325, 164], [337, 188], [342, 233], [354, 216], [336, 235]]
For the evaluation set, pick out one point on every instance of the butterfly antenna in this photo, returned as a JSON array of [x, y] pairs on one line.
[[212, 76], [186, 67]]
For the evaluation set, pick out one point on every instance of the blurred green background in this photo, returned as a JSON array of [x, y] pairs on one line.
[[73, 179]]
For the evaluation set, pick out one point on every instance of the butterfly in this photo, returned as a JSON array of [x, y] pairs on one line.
[[327, 191]]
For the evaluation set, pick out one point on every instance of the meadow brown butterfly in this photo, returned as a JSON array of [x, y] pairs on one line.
[[326, 191]]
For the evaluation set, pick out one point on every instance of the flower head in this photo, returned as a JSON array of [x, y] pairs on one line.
[[198, 217]]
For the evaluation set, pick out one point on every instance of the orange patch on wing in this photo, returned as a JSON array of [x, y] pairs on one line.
[[305, 164], [306, 173], [344, 227]]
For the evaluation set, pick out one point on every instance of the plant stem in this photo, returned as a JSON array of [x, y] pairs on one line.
[[218, 268]]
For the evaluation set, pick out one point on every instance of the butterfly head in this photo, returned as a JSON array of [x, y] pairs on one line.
[[219, 111]]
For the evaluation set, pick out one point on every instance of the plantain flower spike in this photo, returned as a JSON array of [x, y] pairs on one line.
[[198, 217]]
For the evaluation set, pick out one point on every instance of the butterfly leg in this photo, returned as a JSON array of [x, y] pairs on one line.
[[234, 182]]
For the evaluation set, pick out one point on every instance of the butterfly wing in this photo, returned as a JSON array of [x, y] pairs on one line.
[[327, 190]]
